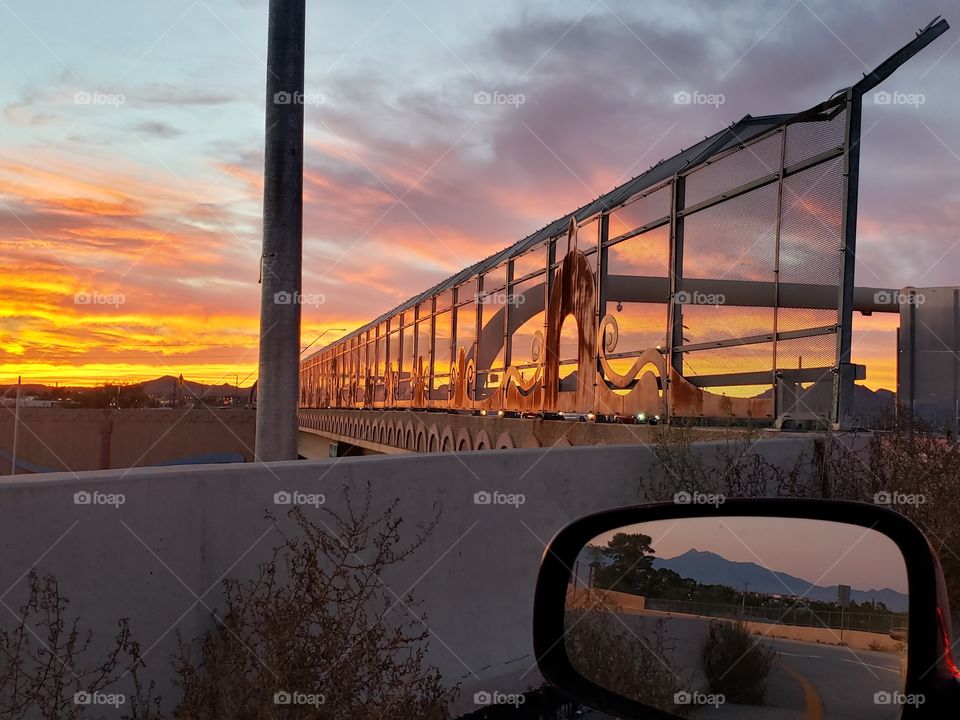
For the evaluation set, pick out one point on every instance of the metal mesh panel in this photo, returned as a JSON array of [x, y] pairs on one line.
[[706, 323], [725, 361], [640, 326], [811, 232], [733, 240], [789, 319], [809, 352], [640, 212], [736, 240], [751, 162], [744, 391], [533, 260], [810, 398], [742, 358], [808, 139], [644, 254], [523, 324]]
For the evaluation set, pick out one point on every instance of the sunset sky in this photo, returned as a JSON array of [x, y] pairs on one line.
[[819, 551], [131, 155]]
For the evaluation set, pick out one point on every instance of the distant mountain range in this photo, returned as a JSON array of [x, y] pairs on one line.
[[708, 568], [161, 386], [165, 386], [869, 406]]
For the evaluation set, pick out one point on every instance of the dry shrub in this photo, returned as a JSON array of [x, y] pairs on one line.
[[45, 659], [625, 660], [906, 458], [735, 664], [318, 621], [909, 462], [732, 467]]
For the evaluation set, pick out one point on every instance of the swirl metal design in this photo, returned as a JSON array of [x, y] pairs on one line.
[[462, 376], [608, 337], [513, 376]]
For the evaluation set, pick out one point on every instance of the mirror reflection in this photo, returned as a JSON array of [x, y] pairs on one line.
[[739, 617]]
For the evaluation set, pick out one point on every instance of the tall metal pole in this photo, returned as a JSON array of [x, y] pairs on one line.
[[278, 388], [842, 411], [16, 428], [674, 309]]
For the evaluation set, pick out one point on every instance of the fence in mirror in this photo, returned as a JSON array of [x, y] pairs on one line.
[[755, 609]]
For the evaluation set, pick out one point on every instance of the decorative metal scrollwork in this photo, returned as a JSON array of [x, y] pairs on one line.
[[513, 376], [608, 336], [462, 376]]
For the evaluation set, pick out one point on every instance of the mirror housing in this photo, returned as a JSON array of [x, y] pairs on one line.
[[931, 670]]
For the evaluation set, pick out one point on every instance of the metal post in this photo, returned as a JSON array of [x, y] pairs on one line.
[[843, 382], [601, 306], [16, 428], [777, 405], [674, 310], [955, 348], [278, 389], [846, 372]]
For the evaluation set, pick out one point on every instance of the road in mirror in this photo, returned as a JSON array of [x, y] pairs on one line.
[[744, 617]]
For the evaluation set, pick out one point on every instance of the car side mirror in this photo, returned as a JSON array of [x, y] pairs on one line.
[[767, 607]]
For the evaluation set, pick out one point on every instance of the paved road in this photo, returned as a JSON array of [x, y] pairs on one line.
[[816, 682], [844, 680], [821, 682]]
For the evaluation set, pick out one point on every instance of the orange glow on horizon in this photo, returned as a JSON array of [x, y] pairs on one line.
[[112, 274]]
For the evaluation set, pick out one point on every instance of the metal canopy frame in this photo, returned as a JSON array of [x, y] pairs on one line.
[[842, 411], [345, 366]]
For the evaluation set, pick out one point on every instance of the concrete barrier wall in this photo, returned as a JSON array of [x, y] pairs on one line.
[[59, 439], [160, 557], [860, 639]]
